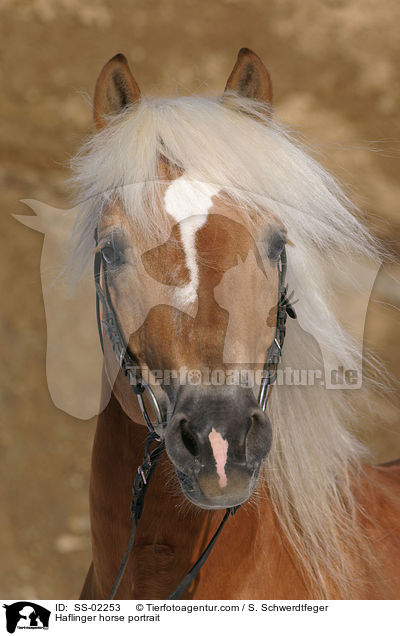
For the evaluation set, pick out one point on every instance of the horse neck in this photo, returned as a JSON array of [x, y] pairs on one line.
[[251, 559], [172, 533], [165, 532]]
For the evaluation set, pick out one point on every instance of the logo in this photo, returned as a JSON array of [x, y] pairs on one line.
[[26, 615]]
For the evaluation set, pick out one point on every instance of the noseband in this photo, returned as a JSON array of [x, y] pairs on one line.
[[130, 366]]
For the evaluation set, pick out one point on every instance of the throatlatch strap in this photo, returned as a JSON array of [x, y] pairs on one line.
[[139, 488], [124, 563], [193, 572]]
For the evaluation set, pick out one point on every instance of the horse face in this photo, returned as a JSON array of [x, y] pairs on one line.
[[207, 297]]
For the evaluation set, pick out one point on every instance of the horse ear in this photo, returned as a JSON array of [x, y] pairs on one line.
[[115, 88], [250, 78]]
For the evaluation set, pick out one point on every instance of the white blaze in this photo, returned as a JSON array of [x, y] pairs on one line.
[[188, 202], [219, 447]]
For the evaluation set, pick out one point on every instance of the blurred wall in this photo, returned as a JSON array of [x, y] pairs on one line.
[[334, 65]]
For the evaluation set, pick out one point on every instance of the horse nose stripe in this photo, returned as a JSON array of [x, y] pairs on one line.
[[219, 447]]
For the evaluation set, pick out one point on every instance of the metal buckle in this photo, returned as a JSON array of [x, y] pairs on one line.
[[141, 473]]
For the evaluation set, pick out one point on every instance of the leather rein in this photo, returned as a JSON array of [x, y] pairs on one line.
[[130, 366]]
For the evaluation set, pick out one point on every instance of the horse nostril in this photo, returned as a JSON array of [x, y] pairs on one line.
[[188, 438], [259, 436], [258, 419]]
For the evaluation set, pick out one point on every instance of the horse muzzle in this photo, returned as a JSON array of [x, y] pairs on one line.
[[217, 439]]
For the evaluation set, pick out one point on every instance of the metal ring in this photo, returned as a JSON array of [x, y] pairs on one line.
[[264, 395], [155, 405]]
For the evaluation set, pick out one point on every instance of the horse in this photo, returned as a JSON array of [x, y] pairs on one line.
[[193, 209]]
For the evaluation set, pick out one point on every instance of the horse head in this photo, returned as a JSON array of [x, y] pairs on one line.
[[218, 268]]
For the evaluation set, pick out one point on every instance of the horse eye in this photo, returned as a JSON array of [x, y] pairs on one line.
[[275, 247], [109, 254]]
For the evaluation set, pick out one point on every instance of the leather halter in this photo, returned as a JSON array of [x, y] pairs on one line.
[[130, 366]]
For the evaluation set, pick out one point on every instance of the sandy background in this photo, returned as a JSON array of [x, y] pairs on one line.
[[334, 65]]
